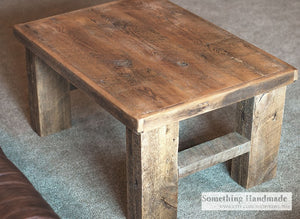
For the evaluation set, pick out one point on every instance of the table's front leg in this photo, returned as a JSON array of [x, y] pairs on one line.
[[259, 118], [49, 97], [152, 175]]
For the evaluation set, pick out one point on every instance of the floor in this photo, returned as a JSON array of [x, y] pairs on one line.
[[81, 171]]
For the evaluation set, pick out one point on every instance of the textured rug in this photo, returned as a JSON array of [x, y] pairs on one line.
[[81, 171]]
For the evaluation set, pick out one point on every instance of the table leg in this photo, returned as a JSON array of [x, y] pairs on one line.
[[152, 172], [49, 97], [259, 118]]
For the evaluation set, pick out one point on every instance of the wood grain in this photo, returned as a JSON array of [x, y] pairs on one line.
[[206, 127], [148, 61], [211, 153], [49, 97], [152, 175], [259, 118]]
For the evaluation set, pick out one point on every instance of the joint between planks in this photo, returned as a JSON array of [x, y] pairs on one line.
[[211, 153]]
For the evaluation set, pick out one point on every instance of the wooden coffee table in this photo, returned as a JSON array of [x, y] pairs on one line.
[[152, 64]]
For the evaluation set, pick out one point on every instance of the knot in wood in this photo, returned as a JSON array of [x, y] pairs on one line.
[[123, 63]]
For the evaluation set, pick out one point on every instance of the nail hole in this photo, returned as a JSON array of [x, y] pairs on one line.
[[183, 64], [274, 116]]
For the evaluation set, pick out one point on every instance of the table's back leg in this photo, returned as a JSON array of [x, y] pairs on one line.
[[259, 118], [152, 172], [49, 97]]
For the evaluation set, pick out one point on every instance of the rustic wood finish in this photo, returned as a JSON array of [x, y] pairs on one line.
[[259, 118], [152, 174], [152, 64], [72, 87], [211, 153], [49, 97], [150, 61]]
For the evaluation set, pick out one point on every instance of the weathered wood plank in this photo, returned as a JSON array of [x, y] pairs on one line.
[[259, 118], [206, 127], [212, 152], [214, 101], [148, 61], [49, 97], [152, 176]]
